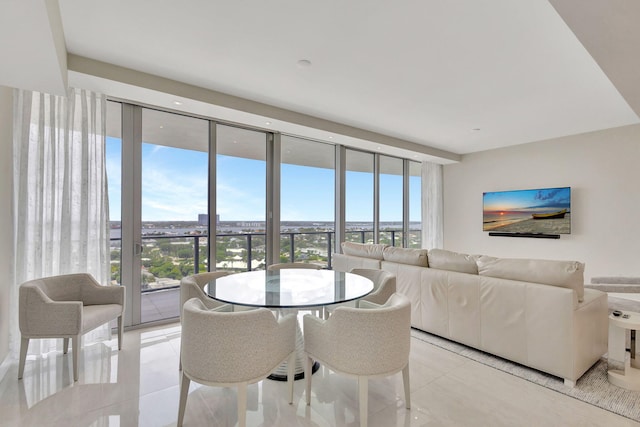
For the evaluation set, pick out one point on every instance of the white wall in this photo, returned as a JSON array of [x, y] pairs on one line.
[[603, 170], [6, 216]]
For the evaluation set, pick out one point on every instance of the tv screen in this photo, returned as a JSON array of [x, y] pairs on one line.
[[537, 211]]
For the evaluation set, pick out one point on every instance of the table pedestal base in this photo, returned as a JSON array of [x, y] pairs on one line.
[[280, 374], [298, 376]]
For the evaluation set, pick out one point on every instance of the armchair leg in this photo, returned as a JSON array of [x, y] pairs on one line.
[[75, 343], [120, 331], [184, 391], [65, 345], [242, 405], [24, 346], [407, 389], [363, 391]]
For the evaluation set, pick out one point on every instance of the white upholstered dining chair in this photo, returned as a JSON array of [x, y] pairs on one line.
[[370, 341], [280, 266], [66, 306], [384, 285], [193, 287], [233, 349], [318, 311]]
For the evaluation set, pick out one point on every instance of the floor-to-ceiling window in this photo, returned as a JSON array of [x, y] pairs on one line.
[[307, 200], [241, 197], [169, 198], [359, 193], [174, 186], [390, 200], [415, 205]]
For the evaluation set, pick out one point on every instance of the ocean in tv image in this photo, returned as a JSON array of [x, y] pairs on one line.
[[542, 210]]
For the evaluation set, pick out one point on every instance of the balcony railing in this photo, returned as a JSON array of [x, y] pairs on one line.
[[167, 258]]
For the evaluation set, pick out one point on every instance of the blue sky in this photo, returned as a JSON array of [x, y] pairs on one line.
[[175, 182]]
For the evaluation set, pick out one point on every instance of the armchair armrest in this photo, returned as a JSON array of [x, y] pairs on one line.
[[95, 294], [40, 316]]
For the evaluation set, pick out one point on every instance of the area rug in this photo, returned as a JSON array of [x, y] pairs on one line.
[[593, 387]]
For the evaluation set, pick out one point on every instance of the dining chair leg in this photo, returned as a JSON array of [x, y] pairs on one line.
[[307, 378], [291, 364], [24, 346], [184, 392], [242, 405], [363, 391], [407, 389]]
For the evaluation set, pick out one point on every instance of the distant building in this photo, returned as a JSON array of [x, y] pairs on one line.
[[203, 219]]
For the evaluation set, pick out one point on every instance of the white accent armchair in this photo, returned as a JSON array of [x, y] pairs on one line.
[[66, 306], [371, 341], [229, 349]]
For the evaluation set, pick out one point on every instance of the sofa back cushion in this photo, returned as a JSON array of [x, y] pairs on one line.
[[409, 256], [565, 274], [453, 261], [366, 250]]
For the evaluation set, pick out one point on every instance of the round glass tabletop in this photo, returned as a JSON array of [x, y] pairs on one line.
[[289, 288]]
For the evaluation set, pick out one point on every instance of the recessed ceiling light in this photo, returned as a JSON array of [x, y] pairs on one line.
[[177, 102], [304, 63]]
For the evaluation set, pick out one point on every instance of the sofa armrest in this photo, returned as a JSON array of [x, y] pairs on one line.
[[591, 330]]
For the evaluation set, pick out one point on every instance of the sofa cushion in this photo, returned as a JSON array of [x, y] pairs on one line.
[[409, 256], [453, 261], [366, 250], [565, 274]]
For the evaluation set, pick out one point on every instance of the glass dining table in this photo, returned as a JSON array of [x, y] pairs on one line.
[[287, 291]]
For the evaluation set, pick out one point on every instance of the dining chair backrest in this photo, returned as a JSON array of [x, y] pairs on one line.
[[224, 348], [192, 287], [283, 265], [384, 284], [370, 341]]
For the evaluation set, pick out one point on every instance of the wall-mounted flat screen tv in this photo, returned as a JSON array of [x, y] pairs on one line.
[[537, 211]]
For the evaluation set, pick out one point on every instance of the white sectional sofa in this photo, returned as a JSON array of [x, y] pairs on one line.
[[533, 312]]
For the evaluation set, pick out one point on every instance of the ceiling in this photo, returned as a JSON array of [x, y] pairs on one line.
[[423, 79]]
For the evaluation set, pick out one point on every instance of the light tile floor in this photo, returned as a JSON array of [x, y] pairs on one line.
[[139, 386]]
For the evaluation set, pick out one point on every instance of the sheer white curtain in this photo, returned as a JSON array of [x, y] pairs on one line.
[[60, 193], [432, 206]]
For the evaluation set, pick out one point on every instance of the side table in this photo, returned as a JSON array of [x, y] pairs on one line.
[[629, 378]]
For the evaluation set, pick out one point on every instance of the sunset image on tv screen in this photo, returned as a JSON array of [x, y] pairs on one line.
[[543, 210]]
